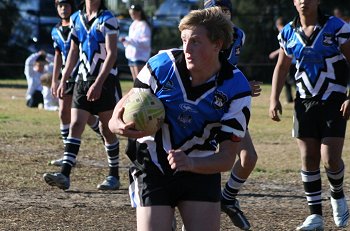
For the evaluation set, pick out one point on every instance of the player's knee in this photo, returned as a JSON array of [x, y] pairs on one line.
[[248, 161]]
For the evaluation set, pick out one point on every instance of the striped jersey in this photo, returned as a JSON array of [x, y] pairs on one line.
[[61, 37], [321, 67], [233, 52], [197, 118], [90, 37]]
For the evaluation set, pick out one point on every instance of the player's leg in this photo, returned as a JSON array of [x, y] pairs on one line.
[[107, 102], [154, 218], [239, 174], [331, 151], [65, 105], [310, 173], [93, 123], [200, 216], [64, 109], [61, 180], [112, 149]]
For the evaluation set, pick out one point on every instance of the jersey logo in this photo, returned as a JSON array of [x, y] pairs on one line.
[[168, 86], [327, 39], [220, 99], [185, 117], [238, 51]]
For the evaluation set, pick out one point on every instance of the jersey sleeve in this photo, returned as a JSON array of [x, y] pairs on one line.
[[110, 25], [343, 34], [235, 121]]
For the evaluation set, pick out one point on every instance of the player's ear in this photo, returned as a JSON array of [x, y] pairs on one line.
[[218, 45]]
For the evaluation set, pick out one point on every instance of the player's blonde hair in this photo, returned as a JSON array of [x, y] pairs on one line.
[[217, 25]]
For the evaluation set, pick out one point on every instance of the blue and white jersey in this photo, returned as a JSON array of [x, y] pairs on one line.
[[61, 37], [233, 52], [90, 37], [321, 67], [197, 118]]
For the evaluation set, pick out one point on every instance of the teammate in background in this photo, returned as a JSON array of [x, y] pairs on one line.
[[279, 23], [61, 36], [321, 47], [36, 65], [138, 42], [94, 41], [206, 108], [50, 103], [338, 12], [247, 154]]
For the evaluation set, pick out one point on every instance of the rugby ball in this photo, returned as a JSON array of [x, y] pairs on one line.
[[145, 110]]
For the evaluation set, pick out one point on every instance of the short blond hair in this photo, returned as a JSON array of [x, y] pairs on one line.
[[215, 22], [46, 79]]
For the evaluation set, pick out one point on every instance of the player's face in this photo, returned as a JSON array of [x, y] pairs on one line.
[[200, 52], [64, 10], [306, 7]]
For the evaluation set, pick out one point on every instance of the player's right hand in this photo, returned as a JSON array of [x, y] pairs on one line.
[[275, 109]]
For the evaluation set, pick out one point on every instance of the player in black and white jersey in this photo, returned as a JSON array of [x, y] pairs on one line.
[[320, 45], [61, 36], [207, 103], [94, 43]]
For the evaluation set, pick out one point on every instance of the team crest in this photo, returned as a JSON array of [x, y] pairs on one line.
[[327, 39], [169, 85], [220, 99], [238, 51]]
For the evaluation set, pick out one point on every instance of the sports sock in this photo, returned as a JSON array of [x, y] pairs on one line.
[[232, 187], [313, 189], [70, 154], [64, 128], [113, 158], [96, 128], [336, 180]]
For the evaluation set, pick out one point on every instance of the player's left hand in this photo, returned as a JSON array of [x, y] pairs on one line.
[[94, 92]]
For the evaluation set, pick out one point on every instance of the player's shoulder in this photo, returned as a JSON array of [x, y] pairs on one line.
[[106, 15], [238, 31]]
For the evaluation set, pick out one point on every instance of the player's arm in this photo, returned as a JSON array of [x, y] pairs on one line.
[[71, 61], [57, 65], [278, 79], [345, 108], [221, 161], [94, 91]]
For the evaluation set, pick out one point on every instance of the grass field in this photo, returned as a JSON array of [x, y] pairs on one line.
[[272, 197]]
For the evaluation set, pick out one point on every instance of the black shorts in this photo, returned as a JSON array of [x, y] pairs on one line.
[[109, 96], [319, 118], [69, 87], [150, 187]]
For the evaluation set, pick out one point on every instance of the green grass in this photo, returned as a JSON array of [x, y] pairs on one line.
[[25, 131]]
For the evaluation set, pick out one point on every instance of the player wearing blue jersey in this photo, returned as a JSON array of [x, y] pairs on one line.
[[247, 154], [321, 46], [94, 41], [61, 37], [207, 103]]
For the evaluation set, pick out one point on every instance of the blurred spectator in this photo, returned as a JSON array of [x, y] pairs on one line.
[[36, 65], [50, 102], [138, 42]]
